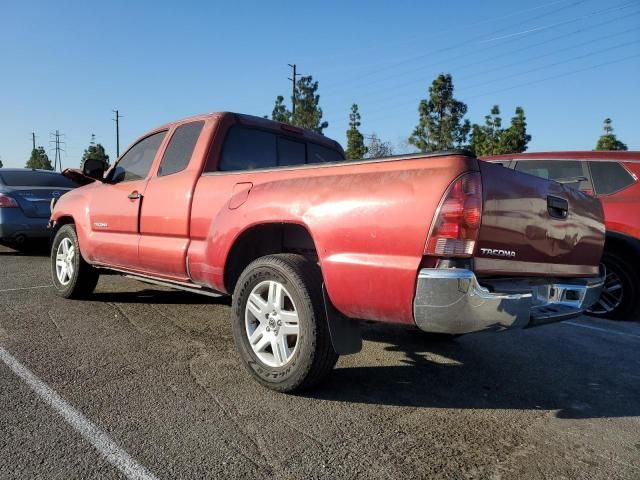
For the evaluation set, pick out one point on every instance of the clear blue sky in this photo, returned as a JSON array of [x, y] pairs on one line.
[[66, 65]]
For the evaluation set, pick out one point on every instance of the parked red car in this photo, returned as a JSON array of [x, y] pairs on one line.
[[307, 242], [613, 178]]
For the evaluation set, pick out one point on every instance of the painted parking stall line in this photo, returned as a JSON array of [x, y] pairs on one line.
[[85, 427], [25, 288], [600, 329]]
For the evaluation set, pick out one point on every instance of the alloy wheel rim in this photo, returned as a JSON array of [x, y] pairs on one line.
[[611, 296], [271, 323], [65, 256]]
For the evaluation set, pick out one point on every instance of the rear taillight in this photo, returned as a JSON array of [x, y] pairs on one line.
[[457, 222], [7, 202]]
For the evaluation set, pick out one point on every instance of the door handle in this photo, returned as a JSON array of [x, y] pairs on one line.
[[135, 195], [557, 207]]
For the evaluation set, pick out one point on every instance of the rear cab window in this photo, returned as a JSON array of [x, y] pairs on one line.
[[247, 148], [610, 177], [180, 149], [29, 178], [572, 173]]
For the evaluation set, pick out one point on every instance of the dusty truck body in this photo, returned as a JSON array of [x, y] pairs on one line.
[[307, 243]]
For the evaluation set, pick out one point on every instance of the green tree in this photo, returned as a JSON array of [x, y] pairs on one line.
[[376, 148], [280, 112], [355, 140], [39, 159], [515, 138], [608, 140], [308, 113], [485, 139], [441, 125], [492, 139], [95, 152], [1, 164]]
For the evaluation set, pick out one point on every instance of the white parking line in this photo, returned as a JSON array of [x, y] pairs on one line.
[[25, 288], [615, 332], [100, 440]]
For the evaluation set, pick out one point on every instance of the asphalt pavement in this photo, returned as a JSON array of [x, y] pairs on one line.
[[144, 382]]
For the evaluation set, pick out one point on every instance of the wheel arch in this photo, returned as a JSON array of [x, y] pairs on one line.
[[619, 242], [266, 239]]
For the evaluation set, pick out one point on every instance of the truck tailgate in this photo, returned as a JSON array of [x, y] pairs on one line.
[[531, 226]]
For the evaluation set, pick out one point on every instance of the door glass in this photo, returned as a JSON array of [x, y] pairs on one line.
[[180, 148], [568, 172], [136, 163], [610, 177]]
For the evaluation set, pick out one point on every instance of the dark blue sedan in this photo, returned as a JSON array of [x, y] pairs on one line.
[[25, 198]]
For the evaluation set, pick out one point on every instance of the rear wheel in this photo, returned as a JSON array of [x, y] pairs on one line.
[[619, 298], [279, 323], [72, 276]]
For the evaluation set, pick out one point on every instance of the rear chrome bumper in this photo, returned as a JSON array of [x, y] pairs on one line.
[[452, 301]]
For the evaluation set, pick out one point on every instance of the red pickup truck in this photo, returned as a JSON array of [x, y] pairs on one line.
[[307, 242]]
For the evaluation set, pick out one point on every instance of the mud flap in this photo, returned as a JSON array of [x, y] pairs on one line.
[[346, 337]]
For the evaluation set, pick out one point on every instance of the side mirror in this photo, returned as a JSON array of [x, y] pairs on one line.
[[93, 168]]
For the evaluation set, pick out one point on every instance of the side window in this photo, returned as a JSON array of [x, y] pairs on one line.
[[609, 177], [180, 148], [568, 172], [290, 152], [320, 154], [135, 164], [247, 149]]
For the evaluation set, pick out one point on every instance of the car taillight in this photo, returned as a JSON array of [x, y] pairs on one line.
[[457, 222], [7, 202]]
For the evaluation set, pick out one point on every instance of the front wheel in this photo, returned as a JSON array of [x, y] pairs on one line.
[[72, 276], [279, 323], [619, 298]]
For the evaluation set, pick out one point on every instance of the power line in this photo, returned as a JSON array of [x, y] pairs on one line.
[[474, 41], [490, 58], [430, 34], [525, 61], [525, 84]]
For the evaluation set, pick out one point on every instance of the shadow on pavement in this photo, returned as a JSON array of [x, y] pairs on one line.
[[173, 297], [529, 370]]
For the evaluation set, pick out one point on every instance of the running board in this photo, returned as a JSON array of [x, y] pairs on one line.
[[177, 286]]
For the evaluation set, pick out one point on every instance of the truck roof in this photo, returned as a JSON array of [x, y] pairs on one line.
[[623, 156], [263, 123]]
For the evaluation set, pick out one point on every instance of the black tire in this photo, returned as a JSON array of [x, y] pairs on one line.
[[623, 272], [314, 357], [83, 280]]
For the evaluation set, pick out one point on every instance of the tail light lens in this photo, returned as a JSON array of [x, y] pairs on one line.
[[7, 202], [455, 229]]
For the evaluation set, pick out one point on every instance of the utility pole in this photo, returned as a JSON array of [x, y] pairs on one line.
[[293, 95], [117, 120], [33, 139]]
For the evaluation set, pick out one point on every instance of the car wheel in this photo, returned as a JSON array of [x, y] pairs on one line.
[[619, 298], [72, 276], [279, 323]]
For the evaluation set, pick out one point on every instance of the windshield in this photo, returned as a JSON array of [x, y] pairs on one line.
[[29, 178]]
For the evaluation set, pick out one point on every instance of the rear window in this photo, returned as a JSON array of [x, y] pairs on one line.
[[249, 148], [319, 154], [36, 179], [609, 177], [290, 152], [569, 172]]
